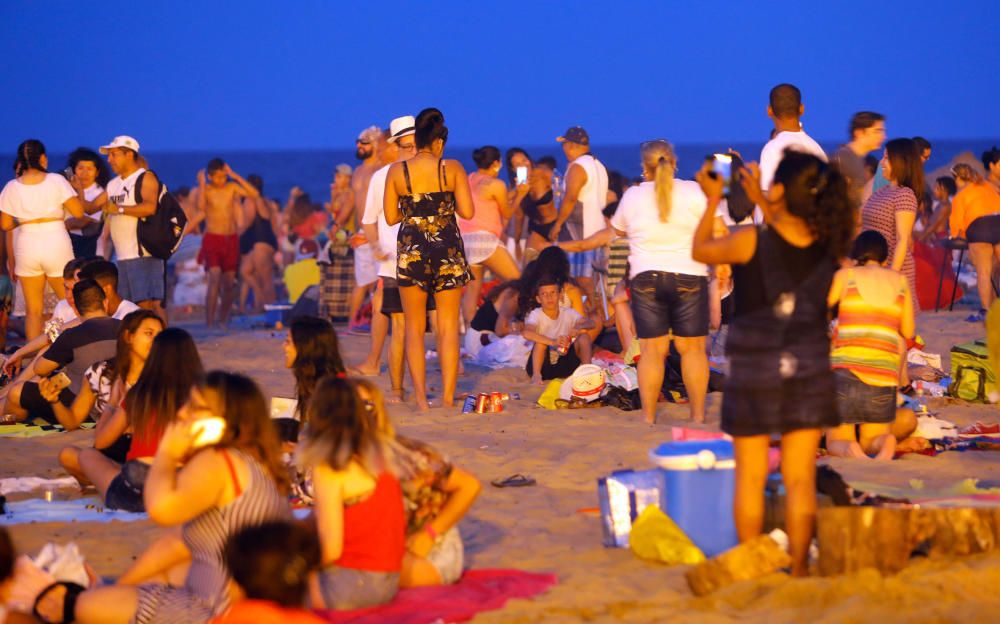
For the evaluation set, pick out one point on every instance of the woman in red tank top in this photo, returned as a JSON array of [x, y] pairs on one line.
[[359, 503], [172, 368]]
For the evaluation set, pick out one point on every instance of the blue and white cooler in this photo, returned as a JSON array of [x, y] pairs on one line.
[[698, 491]]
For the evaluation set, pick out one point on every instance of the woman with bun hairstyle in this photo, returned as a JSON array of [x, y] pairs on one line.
[[424, 194], [481, 234], [780, 380], [34, 206]]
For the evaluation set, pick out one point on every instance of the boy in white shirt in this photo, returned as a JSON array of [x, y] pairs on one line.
[[560, 333]]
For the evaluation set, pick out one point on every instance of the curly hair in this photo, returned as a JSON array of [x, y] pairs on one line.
[[818, 194]]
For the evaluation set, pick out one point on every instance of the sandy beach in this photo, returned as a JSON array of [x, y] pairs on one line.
[[542, 529]]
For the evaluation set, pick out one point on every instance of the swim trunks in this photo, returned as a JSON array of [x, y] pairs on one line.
[[220, 251]]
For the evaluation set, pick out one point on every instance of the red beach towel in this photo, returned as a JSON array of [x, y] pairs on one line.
[[477, 591]]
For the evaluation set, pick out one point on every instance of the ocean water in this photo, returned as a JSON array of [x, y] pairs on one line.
[[312, 170]]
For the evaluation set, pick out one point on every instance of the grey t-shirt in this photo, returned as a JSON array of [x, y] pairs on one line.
[[852, 166], [78, 348]]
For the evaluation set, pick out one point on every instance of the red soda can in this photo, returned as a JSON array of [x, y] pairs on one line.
[[496, 402], [482, 403]]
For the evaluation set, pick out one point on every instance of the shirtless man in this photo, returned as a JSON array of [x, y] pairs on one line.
[[365, 267], [218, 207]]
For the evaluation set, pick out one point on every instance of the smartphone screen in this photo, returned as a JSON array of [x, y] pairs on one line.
[[522, 175], [722, 164]]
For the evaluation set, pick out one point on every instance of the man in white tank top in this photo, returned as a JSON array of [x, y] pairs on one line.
[[587, 187]]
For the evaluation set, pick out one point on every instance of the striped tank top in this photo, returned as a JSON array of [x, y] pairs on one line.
[[868, 343]]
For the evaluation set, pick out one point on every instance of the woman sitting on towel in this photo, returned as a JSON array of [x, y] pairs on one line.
[[223, 486], [874, 321], [172, 368], [359, 503], [107, 383], [438, 495], [780, 381]]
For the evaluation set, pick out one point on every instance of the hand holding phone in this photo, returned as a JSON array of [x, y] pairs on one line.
[[722, 166], [521, 175], [60, 381], [207, 431]]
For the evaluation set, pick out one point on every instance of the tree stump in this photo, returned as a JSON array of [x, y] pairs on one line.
[[852, 538], [758, 557]]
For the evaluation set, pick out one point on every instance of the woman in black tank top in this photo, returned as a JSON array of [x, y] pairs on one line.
[[780, 381], [423, 194]]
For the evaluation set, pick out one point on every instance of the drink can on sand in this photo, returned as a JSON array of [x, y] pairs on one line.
[[470, 405], [496, 402], [482, 403]]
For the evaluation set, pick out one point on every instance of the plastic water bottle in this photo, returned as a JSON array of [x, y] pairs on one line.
[[557, 188]]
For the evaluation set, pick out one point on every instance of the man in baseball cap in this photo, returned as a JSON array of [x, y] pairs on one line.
[[576, 134], [121, 141]]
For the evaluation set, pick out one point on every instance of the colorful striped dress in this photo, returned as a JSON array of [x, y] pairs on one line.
[[868, 343]]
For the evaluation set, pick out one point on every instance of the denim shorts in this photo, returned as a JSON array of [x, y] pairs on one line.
[[142, 279], [125, 491], [857, 402], [448, 556], [346, 588], [670, 302]]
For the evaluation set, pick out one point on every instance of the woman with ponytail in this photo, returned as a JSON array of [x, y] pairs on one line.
[[780, 381], [34, 206], [669, 288]]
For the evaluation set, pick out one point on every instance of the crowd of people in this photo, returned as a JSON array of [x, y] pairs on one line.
[[773, 251]]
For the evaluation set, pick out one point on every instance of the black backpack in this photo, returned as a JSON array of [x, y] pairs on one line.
[[160, 234], [740, 206]]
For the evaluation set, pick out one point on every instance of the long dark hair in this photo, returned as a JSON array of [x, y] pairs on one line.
[[906, 165], [121, 364], [249, 427], [342, 429], [429, 127], [89, 155], [317, 354], [508, 156], [29, 156], [817, 193], [172, 368]]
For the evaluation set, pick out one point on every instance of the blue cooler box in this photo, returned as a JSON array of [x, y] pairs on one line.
[[622, 496], [698, 493]]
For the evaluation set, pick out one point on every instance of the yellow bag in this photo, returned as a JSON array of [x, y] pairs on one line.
[[551, 394], [655, 536]]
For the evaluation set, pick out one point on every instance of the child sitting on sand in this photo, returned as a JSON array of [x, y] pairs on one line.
[[271, 564], [559, 334], [874, 320]]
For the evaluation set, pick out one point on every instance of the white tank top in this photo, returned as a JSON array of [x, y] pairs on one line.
[[593, 196], [121, 192]]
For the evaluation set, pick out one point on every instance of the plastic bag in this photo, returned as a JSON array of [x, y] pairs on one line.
[[550, 394], [655, 536], [64, 563]]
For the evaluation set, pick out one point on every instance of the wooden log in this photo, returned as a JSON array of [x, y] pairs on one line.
[[758, 557], [852, 538]]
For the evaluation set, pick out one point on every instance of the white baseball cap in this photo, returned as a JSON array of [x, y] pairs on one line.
[[121, 141], [401, 127]]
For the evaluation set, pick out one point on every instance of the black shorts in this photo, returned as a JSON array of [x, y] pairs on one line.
[[392, 303], [36, 405], [670, 302], [563, 367], [857, 402], [126, 490], [985, 229]]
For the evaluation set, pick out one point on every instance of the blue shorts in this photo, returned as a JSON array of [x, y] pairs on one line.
[[664, 303], [581, 264], [142, 279], [859, 403]]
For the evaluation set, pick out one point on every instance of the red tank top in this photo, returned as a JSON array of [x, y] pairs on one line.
[[144, 444], [375, 529]]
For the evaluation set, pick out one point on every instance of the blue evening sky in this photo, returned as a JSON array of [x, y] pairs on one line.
[[182, 75]]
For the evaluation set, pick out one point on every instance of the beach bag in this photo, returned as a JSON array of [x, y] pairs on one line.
[[160, 234], [972, 375]]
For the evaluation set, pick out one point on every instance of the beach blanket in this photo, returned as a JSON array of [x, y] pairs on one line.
[[90, 509], [25, 430], [14, 485], [475, 592]]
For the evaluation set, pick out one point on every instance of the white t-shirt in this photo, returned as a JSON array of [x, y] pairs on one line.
[[124, 308], [654, 245], [36, 201], [553, 328], [774, 151], [90, 193], [593, 196], [123, 227], [64, 313], [375, 214]]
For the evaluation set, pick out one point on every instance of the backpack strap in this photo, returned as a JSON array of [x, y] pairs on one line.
[[138, 188]]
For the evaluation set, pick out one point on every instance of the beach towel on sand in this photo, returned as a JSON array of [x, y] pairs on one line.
[[475, 592], [25, 430]]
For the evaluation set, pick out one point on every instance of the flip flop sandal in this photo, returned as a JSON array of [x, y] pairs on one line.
[[515, 480], [73, 592]]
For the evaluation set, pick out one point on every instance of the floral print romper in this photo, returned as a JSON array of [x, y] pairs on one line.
[[429, 249]]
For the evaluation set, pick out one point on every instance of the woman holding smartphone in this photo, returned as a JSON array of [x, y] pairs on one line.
[[229, 484], [481, 234]]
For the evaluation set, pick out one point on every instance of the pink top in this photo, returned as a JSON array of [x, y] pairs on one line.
[[487, 212]]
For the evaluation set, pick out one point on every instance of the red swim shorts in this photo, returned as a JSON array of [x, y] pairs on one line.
[[220, 251]]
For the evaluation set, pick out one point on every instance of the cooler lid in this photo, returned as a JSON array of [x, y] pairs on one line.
[[694, 455]]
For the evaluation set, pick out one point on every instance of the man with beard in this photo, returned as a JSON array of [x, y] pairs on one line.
[[365, 265]]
